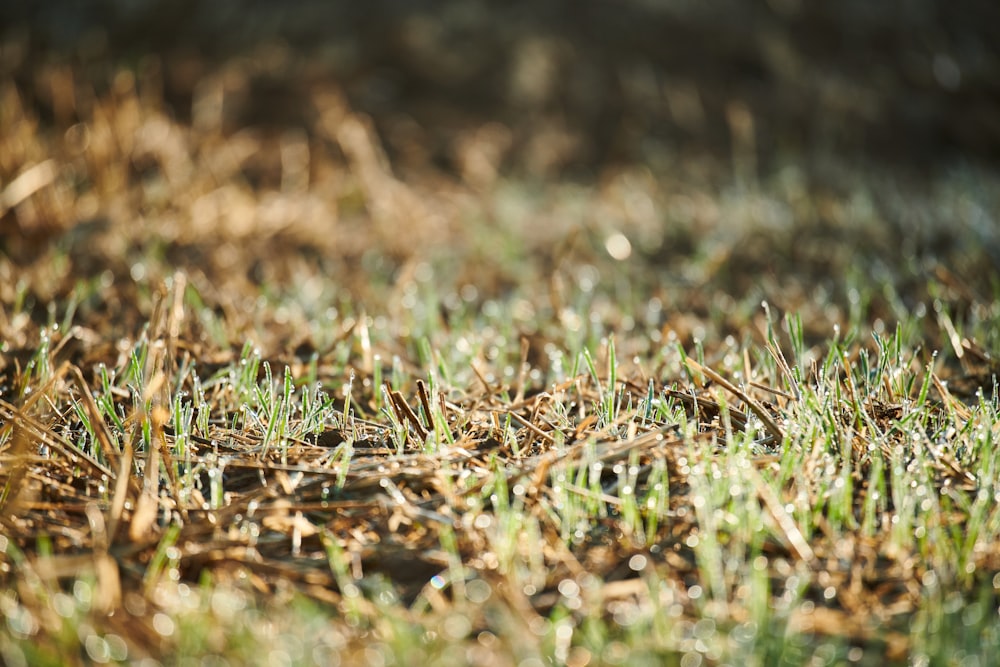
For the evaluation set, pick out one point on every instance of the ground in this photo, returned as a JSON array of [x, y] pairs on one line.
[[540, 333]]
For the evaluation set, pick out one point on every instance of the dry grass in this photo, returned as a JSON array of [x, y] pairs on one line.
[[259, 392]]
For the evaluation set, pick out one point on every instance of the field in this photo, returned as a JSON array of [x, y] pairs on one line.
[[327, 352]]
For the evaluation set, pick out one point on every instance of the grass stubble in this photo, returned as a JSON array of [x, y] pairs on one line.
[[263, 401]]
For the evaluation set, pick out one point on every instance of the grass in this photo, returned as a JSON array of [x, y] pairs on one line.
[[349, 418]]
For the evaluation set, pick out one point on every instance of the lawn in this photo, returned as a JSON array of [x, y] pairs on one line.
[[303, 361]]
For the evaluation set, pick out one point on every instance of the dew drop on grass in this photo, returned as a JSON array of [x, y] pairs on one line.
[[618, 246], [704, 629], [97, 648], [478, 591], [744, 633], [83, 594], [456, 627], [569, 588], [163, 624]]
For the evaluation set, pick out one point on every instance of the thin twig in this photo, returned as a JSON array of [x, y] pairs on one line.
[[769, 423]]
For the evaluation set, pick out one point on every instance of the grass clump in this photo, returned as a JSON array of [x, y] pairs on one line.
[[775, 505]]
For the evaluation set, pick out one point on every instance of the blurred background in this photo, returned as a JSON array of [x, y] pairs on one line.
[[612, 81], [675, 150]]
